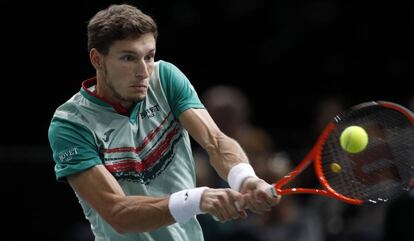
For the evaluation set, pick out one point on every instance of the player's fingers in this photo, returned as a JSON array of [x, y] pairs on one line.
[[227, 205], [237, 204], [261, 197], [267, 194], [219, 210], [223, 215], [212, 202], [240, 204], [253, 205], [271, 197]]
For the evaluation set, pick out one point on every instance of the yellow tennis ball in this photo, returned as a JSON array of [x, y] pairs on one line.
[[335, 167], [354, 139]]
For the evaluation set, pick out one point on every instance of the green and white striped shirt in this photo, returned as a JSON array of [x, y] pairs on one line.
[[146, 150]]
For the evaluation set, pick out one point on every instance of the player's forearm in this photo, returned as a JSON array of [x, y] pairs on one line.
[[140, 214], [124, 213], [225, 154]]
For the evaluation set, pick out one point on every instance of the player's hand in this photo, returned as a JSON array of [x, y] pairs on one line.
[[224, 204], [258, 196]]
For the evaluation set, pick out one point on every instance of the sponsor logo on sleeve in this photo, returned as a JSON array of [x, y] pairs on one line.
[[67, 155]]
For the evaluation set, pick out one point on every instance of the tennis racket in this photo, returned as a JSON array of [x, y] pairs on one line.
[[379, 173]]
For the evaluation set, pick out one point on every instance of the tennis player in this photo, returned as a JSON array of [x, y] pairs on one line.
[[122, 142]]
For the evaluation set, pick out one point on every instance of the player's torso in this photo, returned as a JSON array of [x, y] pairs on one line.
[[140, 147], [148, 152], [149, 147]]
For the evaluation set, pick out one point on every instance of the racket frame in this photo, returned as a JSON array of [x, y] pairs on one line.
[[315, 156]]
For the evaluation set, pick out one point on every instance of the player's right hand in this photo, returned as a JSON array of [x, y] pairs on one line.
[[258, 197], [224, 204]]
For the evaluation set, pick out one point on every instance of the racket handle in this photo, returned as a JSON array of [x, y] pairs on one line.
[[272, 191]]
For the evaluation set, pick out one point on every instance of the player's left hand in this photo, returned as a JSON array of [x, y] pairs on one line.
[[258, 196]]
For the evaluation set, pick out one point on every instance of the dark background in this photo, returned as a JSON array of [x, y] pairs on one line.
[[285, 55]]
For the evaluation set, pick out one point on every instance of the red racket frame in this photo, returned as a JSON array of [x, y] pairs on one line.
[[314, 155]]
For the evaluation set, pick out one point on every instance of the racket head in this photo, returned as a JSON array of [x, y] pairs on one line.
[[380, 172]]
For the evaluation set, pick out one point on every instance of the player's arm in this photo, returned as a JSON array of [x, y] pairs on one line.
[[77, 161], [141, 213], [226, 155], [124, 213], [228, 159], [224, 152]]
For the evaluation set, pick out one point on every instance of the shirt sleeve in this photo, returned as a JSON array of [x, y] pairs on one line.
[[73, 146], [180, 93]]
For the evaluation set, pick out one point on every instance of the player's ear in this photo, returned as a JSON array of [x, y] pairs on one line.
[[96, 58]]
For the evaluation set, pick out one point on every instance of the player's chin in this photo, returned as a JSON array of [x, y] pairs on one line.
[[134, 97], [140, 97], [137, 95]]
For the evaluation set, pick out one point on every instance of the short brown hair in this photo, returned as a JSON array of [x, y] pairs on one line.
[[118, 22]]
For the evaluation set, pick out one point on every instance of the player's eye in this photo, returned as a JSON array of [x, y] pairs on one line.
[[149, 57], [128, 58]]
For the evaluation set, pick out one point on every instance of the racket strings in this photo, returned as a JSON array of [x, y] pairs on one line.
[[383, 169]]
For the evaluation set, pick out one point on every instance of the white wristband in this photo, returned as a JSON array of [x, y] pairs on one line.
[[238, 173], [185, 204]]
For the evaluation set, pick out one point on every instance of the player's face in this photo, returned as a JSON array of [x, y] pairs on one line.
[[127, 68]]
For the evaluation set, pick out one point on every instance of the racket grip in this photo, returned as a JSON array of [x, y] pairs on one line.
[[272, 191]]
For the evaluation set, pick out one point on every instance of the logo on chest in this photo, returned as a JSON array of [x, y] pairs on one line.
[[150, 112], [107, 134]]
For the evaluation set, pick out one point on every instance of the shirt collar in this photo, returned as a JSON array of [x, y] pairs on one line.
[[87, 90]]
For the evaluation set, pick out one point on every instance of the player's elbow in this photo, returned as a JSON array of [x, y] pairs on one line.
[[119, 228], [214, 144], [117, 218], [123, 220], [122, 227]]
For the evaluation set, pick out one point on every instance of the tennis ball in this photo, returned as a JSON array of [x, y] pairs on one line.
[[335, 167], [354, 139]]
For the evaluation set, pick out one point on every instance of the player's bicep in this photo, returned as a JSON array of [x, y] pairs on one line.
[[201, 127], [98, 188], [224, 152]]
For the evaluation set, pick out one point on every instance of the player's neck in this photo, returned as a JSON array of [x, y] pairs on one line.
[[104, 92]]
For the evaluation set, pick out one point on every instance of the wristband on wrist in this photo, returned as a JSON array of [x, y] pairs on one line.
[[185, 204], [238, 174]]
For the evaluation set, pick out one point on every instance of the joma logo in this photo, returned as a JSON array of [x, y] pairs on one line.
[[107, 134]]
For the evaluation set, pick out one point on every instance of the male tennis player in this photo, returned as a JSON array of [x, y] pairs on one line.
[[122, 141]]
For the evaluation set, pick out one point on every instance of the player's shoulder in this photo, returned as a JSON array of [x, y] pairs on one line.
[[71, 105], [71, 110], [163, 71], [165, 66]]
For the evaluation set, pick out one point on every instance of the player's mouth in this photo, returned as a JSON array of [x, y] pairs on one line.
[[139, 87]]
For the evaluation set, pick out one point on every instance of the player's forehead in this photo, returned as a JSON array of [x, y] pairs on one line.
[[141, 45]]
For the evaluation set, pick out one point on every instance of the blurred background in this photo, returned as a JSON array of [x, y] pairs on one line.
[[289, 66]]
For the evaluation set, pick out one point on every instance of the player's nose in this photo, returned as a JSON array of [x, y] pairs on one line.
[[141, 70]]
